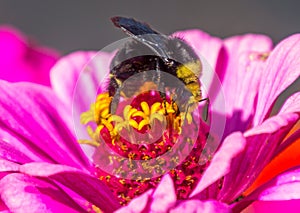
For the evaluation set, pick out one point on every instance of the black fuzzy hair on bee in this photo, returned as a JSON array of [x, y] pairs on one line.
[[150, 50]]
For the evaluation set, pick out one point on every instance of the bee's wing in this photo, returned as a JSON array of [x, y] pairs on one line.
[[132, 26], [143, 33]]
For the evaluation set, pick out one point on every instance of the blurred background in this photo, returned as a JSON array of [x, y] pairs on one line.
[[71, 25]]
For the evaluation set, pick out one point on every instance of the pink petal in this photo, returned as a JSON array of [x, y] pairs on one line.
[[22, 193], [8, 166], [273, 124], [138, 204], [159, 201], [164, 197], [76, 79], [21, 60], [42, 169], [285, 186], [220, 165], [290, 206], [197, 206], [262, 142], [66, 72], [240, 75], [88, 187], [288, 112], [11, 153], [241, 107], [33, 121], [3, 208], [282, 69]]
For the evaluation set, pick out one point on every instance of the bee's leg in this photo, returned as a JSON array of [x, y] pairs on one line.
[[115, 102], [159, 81], [174, 103], [207, 107], [162, 92], [187, 110], [163, 96], [114, 92], [180, 100]]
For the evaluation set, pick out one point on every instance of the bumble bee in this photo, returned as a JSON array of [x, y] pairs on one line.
[[149, 50]]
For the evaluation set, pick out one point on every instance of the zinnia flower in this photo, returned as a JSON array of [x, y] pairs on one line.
[[45, 170]]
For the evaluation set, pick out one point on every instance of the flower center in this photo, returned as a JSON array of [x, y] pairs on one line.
[[146, 138]]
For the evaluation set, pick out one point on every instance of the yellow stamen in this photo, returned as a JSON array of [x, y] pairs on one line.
[[120, 126], [126, 112], [99, 113], [133, 123], [105, 113], [115, 118], [88, 142], [143, 123], [88, 115], [155, 107], [131, 112], [139, 113], [108, 125], [158, 116], [100, 106], [145, 108], [103, 96]]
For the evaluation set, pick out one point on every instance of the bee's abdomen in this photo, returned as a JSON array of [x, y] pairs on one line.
[[135, 66]]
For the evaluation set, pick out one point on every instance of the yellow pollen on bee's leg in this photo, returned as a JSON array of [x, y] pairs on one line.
[[177, 124], [189, 118], [189, 71], [187, 115], [169, 108]]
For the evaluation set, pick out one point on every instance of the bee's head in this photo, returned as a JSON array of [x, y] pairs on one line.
[[179, 51]]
